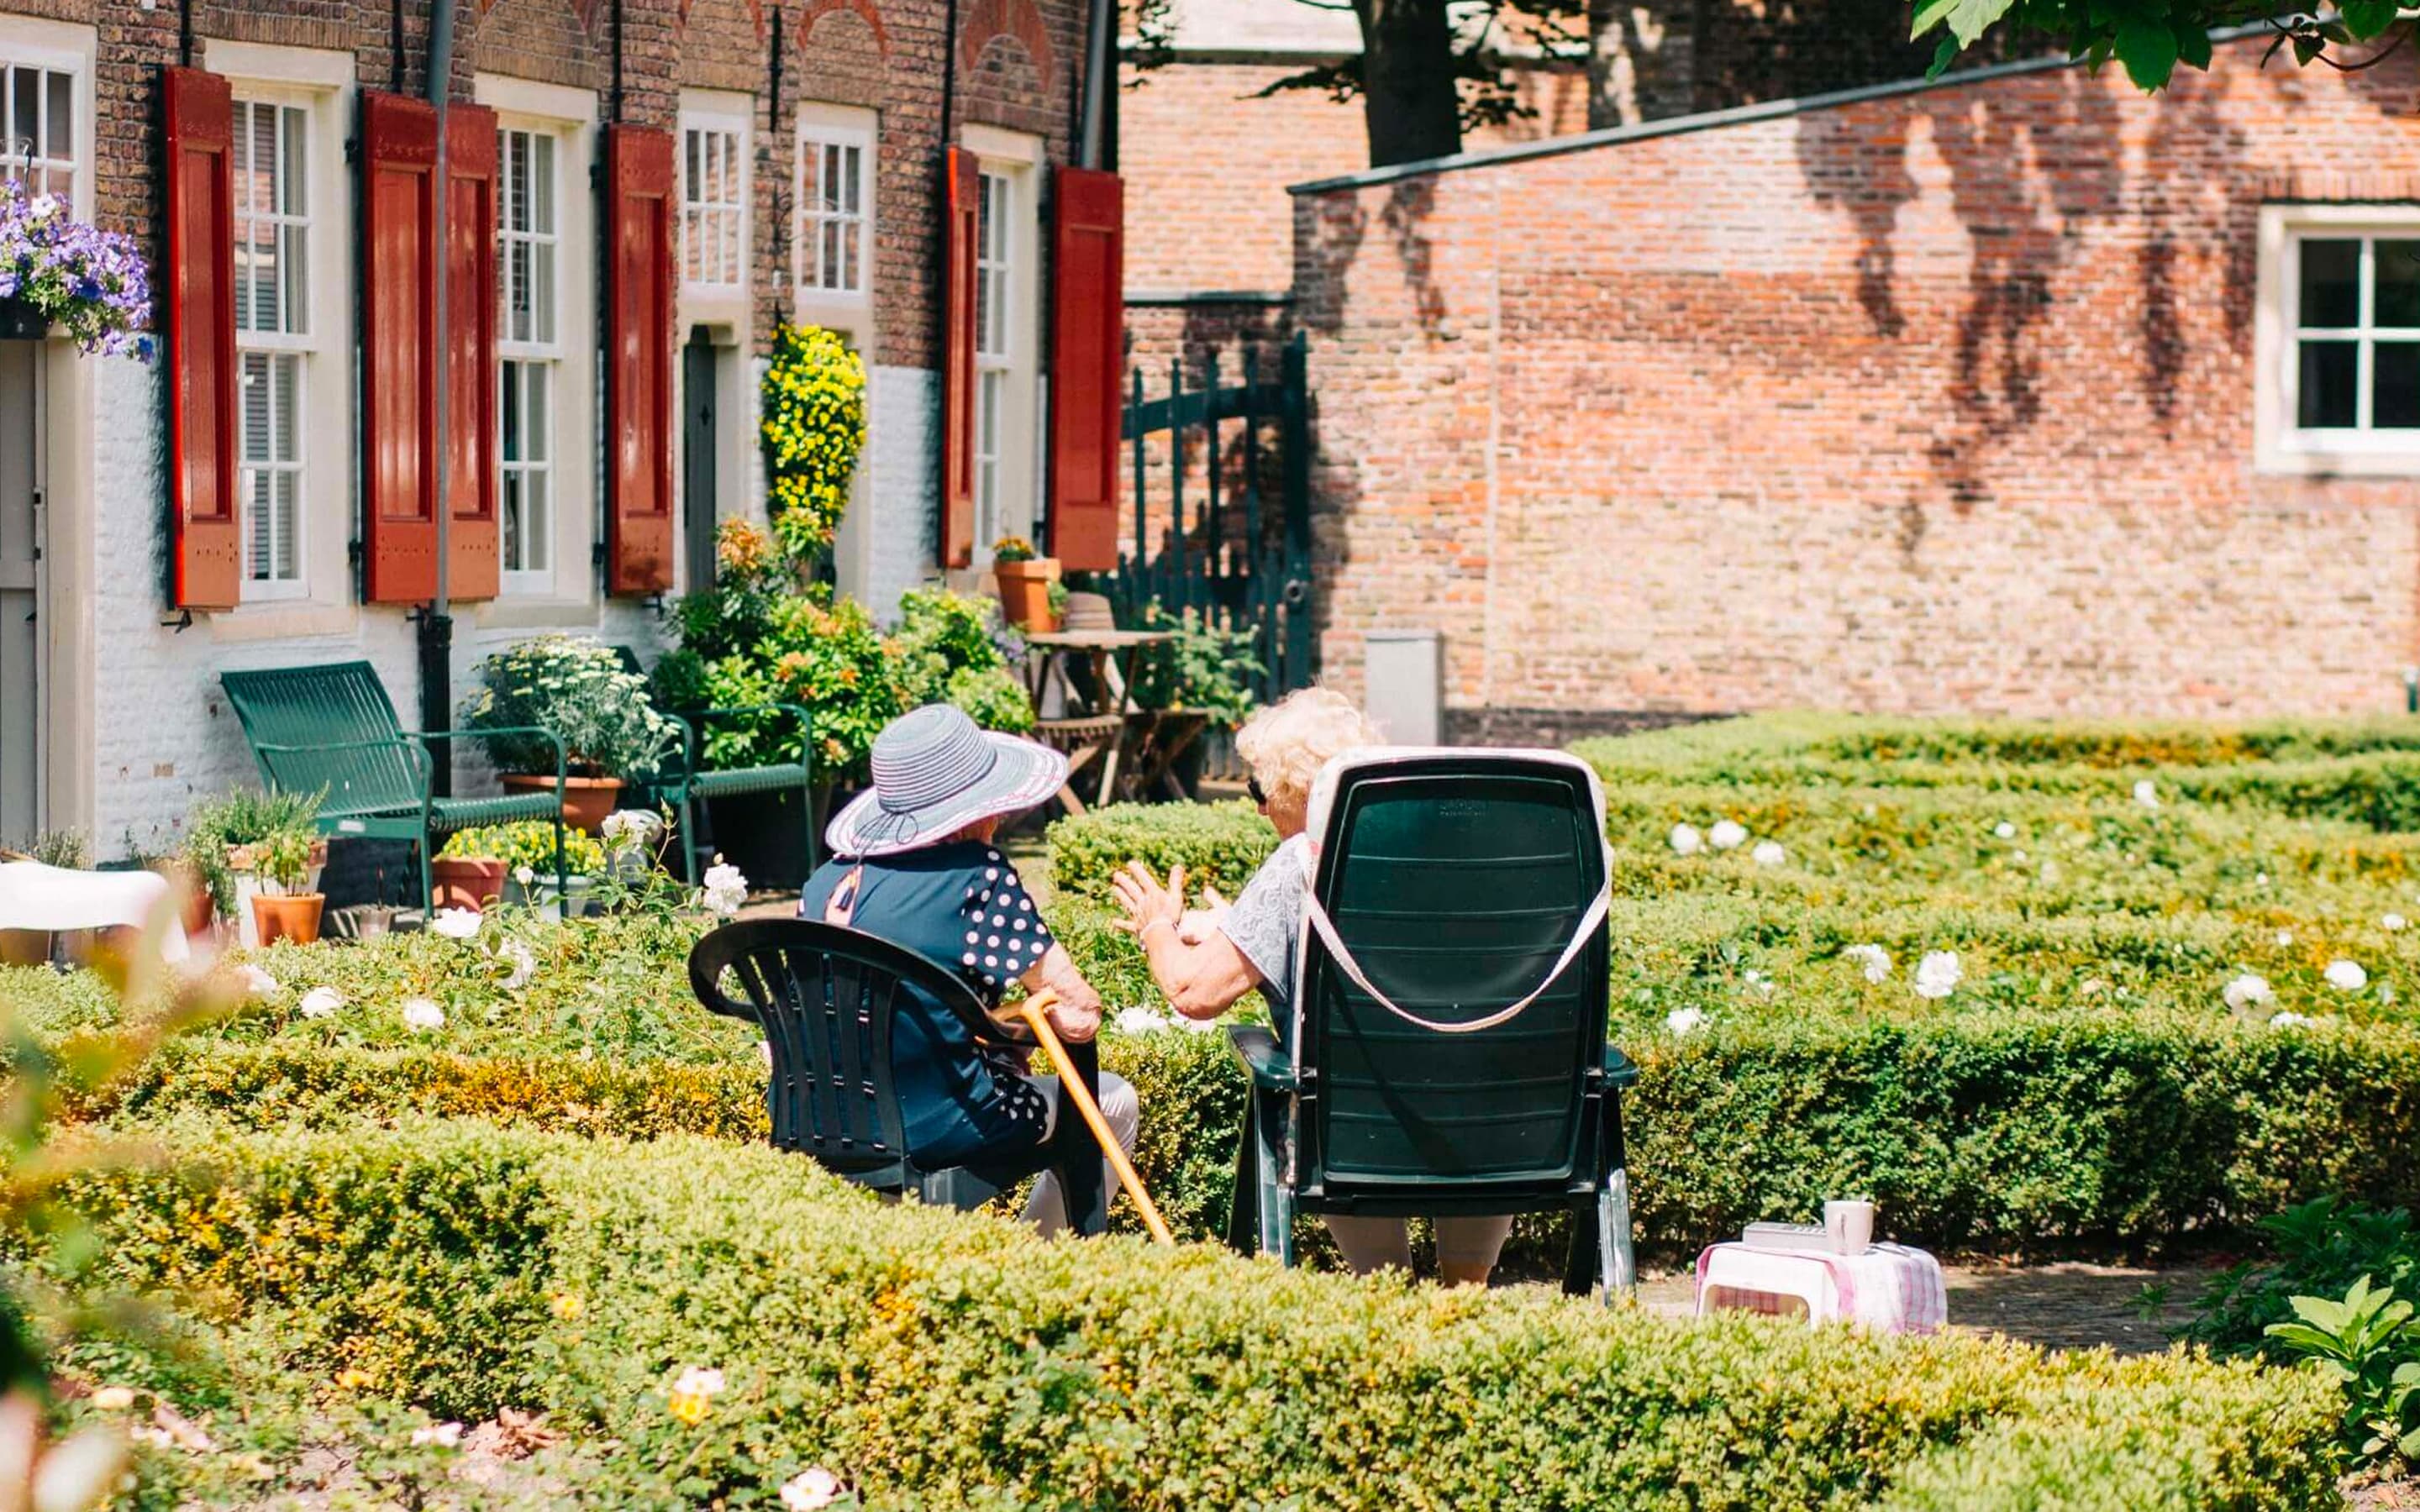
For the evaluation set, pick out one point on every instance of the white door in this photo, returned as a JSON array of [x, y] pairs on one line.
[[21, 715]]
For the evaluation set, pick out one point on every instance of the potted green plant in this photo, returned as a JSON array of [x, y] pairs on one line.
[[289, 905], [584, 692], [465, 873], [524, 847], [222, 840], [1198, 681], [1023, 578]]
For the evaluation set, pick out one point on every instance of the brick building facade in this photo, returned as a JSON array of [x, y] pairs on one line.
[[2020, 392], [806, 140]]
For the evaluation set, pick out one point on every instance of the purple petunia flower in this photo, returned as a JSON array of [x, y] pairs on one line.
[[92, 282]]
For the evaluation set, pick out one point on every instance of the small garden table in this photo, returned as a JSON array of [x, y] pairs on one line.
[[1097, 722]]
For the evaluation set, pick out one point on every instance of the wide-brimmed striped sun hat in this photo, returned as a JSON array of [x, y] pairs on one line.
[[934, 774]]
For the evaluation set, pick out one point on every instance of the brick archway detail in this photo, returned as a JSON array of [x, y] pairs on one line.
[[864, 10], [1018, 19]]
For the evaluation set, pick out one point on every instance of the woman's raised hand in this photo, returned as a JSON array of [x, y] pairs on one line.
[[1146, 900]]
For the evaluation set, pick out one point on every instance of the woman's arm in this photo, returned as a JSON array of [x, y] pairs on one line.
[[1077, 1016], [1202, 980]]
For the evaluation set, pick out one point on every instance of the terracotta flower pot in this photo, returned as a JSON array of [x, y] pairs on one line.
[[194, 895], [471, 882], [586, 800], [287, 916], [1025, 591]]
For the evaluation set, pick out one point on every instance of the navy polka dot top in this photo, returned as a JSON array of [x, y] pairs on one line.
[[963, 905]]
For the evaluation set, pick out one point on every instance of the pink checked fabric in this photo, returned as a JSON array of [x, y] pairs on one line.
[[1890, 1288]]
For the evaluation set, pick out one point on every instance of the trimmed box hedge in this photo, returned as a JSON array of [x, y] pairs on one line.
[[942, 1360]]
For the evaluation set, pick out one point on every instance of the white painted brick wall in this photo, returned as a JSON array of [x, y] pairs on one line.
[[163, 734], [904, 404]]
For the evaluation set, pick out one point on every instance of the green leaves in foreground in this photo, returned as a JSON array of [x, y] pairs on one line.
[[2368, 1344], [2150, 37]]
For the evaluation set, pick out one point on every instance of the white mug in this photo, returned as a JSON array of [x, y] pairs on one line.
[[1848, 1225]]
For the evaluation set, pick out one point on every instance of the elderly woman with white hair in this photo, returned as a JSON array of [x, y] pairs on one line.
[[1206, 960]]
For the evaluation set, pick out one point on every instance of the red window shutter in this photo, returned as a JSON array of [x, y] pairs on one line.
[[398, 157], [1087, 359], [206, 548], [962, 193], [470, 545], [639, 360]]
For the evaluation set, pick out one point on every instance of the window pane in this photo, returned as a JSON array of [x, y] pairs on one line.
[[2396, 300], [2331, 283], [291, 260], [508, 424], [512, 508], [535, 406], [289, 167], [62, 119], [534, 537], [287, 503], [2329, 371], [542, 185], [24, 132], [2395, 385], [542, 294], [288, 369]]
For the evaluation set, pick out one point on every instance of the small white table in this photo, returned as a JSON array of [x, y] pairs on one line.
[[1890, 1288]]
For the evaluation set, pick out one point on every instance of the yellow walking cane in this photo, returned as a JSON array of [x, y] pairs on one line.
[[1036, 1010]]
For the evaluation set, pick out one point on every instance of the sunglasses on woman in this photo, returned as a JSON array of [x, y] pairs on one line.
[[1253, 786]]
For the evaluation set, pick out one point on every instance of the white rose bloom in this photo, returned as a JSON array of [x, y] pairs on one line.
[[2285, 938], [1727, 834], [628, 827], [2289, 1020], [2385, 993], [321, 1001], [524, 962], [2092, 985], [445, 1435], [1686, 841], [2005, 830], [1873, 958], [2392, 921], [1768, 852], [2261, 880], [420, 1013], [809, 1490], [1682, 1020], [1194, 1025], [455, 923], [257, 982], [2050, 874], [699, 1381], [2248, 991], [2347, 976], [526, 876], [1141, 1021], [725, 892], [2146, 793], [1938, 974]]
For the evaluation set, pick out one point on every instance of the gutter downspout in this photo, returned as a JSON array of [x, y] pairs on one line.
[[1100, 63], [437, 620]]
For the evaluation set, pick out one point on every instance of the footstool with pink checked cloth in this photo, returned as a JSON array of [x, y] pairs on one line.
[[1890, 1288]]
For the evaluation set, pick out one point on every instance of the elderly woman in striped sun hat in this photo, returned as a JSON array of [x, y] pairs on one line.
[[914, 863]]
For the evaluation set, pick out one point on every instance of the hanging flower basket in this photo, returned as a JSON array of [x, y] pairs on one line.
[[55, 269]]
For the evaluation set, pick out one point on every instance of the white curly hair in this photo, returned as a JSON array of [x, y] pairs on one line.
[[1288, 742]]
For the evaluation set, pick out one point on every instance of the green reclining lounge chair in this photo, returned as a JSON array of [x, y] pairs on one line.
[[332, 730], [1447, 1054]]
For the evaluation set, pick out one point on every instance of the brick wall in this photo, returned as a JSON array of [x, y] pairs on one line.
[[1941, 401], [1207, 166]]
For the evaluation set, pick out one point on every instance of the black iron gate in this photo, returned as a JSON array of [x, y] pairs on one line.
[[1227, 531]]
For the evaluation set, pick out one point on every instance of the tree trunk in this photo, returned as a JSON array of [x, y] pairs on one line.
[[1408, 96]]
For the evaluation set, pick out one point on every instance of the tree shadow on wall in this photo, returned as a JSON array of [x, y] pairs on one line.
[[1343, 225]]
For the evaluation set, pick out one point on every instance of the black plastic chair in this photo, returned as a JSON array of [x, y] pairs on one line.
[[826, 997], [1457, 881]]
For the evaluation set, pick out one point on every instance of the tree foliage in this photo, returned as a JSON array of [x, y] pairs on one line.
[[2150, 37]]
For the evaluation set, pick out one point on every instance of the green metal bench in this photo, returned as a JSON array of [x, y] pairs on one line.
[[1467, 888], [332, 730], [682, 782]]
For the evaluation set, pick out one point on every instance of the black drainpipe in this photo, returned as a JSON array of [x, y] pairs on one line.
[[436, 619]]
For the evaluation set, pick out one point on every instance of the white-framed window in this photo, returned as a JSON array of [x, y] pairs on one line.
[[835, 212], [996, 313], [2338, 338], [40, 124], [713, 203], [274, 337], [529, 351]]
